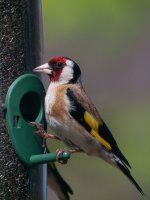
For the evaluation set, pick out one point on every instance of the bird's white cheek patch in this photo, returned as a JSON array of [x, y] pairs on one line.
[[67, 74], [69, 63]]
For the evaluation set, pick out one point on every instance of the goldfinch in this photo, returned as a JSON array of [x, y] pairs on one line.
[[74, 118]]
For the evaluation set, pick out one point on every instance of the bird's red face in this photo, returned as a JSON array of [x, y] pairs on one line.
[[53, 68], [60, 69], [57, 64]]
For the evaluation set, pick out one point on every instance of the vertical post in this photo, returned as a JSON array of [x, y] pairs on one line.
[[20, 52]]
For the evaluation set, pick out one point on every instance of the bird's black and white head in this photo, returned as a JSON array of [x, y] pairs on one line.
[[61, 69]]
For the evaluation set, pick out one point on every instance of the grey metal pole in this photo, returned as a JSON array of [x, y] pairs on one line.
[[20, 51]]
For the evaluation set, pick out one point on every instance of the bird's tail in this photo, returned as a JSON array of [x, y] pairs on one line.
[[120, 164], [126, 171]]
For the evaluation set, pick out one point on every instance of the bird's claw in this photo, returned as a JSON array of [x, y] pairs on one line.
[[42, 134], [40, 130], [59, 155], [37, 125]]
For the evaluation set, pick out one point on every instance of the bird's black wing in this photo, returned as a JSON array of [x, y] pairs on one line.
[[97, 129], [100, 131]]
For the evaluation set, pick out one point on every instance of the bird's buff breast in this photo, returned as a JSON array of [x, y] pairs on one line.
[[56, 105], [64, 126]]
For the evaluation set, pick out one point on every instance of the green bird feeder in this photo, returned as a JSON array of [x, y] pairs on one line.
[[25, 104]]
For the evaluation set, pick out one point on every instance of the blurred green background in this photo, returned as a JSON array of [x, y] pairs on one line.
[[109, 39]]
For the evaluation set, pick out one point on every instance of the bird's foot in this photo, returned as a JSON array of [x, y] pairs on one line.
[[42, 133], [59, 154]]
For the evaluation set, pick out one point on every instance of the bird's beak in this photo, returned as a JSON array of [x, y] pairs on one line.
[[43, 69]]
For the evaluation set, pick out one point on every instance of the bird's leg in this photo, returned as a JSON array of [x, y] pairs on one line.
[[42, 133], [75, 151], [59, 153]]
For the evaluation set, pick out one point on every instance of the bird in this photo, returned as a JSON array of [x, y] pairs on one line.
[[75, 120]]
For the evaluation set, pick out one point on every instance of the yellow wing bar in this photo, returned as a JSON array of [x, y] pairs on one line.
[[94, 124], [91, 121], [102, 141]]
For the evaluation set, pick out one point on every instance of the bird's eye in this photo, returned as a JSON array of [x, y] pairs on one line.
[[56, 65], [59, 65]]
